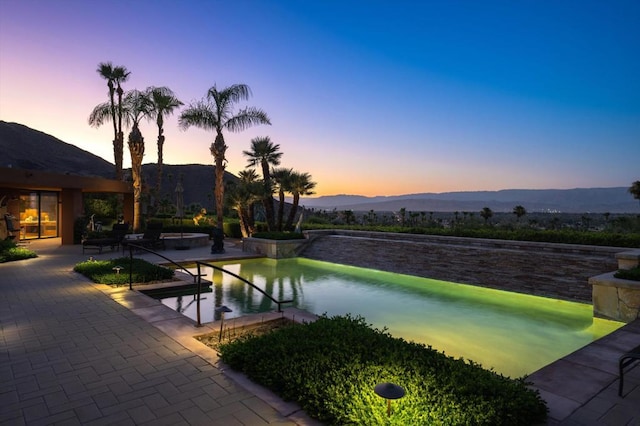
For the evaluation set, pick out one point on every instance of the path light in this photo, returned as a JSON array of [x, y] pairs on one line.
[[117, 269], [221, 310], [389, 391]]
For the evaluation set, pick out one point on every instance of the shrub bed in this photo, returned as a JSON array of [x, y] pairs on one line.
[[9, 252], [628, 274], [331, 366], [104, 271]]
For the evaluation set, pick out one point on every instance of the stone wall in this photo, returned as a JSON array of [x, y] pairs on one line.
[[559, 271]]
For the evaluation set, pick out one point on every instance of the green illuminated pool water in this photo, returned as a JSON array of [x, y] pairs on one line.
[[512, 333]]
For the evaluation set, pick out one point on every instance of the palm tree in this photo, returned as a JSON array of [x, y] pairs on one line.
[[486, 214], [215, 112], [282, 178], [136, 105], [105, 112], [241, 197], [265, 154], [519, 211], [301, 184], [635, 190], [163, 102]]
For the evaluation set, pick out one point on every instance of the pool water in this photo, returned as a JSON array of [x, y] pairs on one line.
[[511, 333]]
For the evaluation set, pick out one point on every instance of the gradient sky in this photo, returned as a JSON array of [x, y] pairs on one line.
[[369, 97]]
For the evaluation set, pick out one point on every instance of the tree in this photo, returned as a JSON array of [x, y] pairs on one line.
[[163, 104], [215, 112], [635, 190], [301, 184], [282, 178], [114, 76], [136, 105], [241, 196], [519, 211], [486, 214], [265, 154]]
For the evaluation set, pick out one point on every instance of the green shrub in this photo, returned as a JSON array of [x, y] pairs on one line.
[[10, 252], [279, 235], [331, 366], [628, 274], [102, 271]]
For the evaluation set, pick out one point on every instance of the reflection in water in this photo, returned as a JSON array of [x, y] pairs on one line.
[[513, 333]]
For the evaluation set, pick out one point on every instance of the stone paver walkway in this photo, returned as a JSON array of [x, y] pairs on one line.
[[73, 354]]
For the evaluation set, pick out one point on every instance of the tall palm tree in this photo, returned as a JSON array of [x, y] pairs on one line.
[[215, 112], [635, 190], [282, 178], [164, 102], [301, 184], [136, 105], [265, 154], [105, 112]]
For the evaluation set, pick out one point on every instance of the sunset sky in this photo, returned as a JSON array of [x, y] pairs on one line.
[[369, 97]]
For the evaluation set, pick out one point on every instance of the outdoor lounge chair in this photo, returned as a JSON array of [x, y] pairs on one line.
[[12, 228], [151, 239], [625, 361], [118, 233]]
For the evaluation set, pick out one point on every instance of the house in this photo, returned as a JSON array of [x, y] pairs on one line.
[[46, 205]]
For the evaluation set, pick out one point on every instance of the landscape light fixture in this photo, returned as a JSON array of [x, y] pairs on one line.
[[389, 391], [117, 269], [221, 310]]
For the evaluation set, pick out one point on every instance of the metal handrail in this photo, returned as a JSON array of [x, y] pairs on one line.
[[139, 247], [199, 263]]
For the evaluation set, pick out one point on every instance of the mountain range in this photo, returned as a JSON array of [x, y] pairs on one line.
[[30, 149]]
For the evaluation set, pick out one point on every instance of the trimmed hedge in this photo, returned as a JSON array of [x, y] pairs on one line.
[[279, 235], [331, 366], [102, 271]]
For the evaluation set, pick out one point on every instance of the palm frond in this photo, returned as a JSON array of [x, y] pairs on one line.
[[246, 118], [100, 114], [200, 114]]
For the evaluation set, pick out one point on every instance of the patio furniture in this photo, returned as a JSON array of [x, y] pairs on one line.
[[625, 362], [12, 229], [151, 239], [118, 233]]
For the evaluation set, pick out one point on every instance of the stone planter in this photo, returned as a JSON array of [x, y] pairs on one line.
[[615, 298], [275, 249]]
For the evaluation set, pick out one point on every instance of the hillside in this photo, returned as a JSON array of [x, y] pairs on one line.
[[26, 148]]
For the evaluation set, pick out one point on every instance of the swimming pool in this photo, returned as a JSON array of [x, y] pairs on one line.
[[515, 334]]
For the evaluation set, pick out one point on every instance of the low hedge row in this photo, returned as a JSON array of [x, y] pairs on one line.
[[331, 366], [103, 272]]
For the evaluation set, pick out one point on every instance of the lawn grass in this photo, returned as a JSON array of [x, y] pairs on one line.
[[9, 252], [116, 271]]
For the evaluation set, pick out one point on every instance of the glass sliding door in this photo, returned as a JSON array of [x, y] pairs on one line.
[[39, 214]]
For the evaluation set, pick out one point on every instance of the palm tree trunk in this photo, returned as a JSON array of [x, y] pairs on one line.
[[136, 148], [160, 162], [280, 209], [218, 149], [292, 212]]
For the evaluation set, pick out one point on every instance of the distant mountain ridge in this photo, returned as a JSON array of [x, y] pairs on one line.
[[26, 148], [579, 200]]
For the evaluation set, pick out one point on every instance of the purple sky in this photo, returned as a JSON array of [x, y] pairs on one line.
[[369, 97]]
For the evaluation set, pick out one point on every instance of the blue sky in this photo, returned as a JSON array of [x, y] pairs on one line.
[[369, 97]]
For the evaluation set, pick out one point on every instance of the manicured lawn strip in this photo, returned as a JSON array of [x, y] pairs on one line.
[[9, 252], [331, 366], [102, 271]]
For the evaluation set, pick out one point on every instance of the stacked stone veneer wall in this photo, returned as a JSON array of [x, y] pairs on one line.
[[615, 298], [553, 270]]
